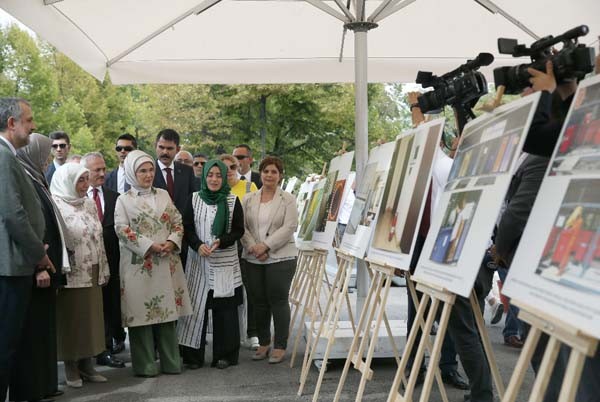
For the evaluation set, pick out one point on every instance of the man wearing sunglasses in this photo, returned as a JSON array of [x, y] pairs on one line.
[[61, 145], [115, 180], [243, 153], [199, 161]]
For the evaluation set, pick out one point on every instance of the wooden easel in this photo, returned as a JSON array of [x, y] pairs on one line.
[[329, 320], [308, 294], [366, 333], [444, 299], [581, 344]]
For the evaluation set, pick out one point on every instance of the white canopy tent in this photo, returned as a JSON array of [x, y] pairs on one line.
[[295, 41]]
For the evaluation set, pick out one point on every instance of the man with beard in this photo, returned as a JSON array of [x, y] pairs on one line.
[[178, 179]]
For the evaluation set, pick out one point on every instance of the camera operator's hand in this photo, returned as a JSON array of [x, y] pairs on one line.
[[541, 81], [412, 97], [415, 112]]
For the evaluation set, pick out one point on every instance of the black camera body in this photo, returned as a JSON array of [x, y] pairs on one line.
[[573, 61], [462, 86]]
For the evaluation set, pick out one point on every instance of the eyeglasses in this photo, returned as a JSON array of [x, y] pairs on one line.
[[199, 163], [233, 167], [61, 146], [127, 148], [241, 157]]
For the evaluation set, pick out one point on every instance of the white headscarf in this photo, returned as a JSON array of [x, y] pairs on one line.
[[64, 183], [132, 163]]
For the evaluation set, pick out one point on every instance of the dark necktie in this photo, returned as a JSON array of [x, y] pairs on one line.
[[243, 178], [98, 205], [170, 183]]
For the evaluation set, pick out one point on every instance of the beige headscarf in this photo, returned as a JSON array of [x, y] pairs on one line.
[[132, 163], [64, 182]]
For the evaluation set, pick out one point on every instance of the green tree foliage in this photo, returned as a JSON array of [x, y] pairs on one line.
[[306, 124]]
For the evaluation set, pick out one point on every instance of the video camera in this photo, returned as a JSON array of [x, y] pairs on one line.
[[461, 88], [573, 61]]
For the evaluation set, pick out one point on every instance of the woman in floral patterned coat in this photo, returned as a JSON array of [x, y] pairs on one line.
[[153, 288], [79, 316]]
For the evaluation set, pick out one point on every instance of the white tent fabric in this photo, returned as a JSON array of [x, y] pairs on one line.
[[266, 41]]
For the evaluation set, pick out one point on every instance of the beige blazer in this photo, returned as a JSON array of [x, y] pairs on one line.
[[282, 224]]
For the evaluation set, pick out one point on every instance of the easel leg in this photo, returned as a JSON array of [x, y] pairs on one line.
[[360, 330], [316, 285], [572, 376], [333, 326], [436, 352], [420, 324], [410, 343], [307, 306], [380, 303], [545, 372], [516, 380], [487, 344]]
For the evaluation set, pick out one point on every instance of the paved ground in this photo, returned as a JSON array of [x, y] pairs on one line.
[[258, 381]]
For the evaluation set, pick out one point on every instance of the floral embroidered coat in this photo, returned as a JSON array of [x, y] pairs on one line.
[[153, 290], [84, 236]]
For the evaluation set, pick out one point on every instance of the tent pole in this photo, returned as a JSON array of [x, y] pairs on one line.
[[361, 131]]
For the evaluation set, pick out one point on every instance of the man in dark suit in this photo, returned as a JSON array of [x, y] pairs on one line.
[[243, 153], [21, 233], [61, 146], [105, 200], [177, 178], [115, 180]]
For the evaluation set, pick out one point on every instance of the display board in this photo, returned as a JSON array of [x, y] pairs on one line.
[[333, 191], [469, 206], [291, 184], [556, 268], [307, 220], [405, 195], [366, 204]]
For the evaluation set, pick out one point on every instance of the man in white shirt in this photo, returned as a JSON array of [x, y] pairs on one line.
[[116, 179]]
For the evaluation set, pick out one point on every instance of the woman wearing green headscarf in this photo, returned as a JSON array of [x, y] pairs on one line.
[[213, 222]]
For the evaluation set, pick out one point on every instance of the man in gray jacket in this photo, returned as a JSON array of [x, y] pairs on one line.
[[22, 252]]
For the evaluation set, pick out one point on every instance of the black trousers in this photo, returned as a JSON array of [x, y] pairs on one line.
[[463, 330], [269, 290], [111, 298], [15, 295], [226, 331], [35, 373], [251, 320]]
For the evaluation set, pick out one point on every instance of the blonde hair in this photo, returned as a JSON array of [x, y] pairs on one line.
[[230, 158]]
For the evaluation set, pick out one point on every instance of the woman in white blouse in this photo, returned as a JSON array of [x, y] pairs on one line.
[[270, 218], [80, 320]]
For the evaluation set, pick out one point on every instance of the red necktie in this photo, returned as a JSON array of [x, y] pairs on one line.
[[170, 183], [98, 205]]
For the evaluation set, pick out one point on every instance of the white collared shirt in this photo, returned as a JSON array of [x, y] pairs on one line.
[[90, 194], [162, 167], [10, 146], [56, 164], [121, 179]]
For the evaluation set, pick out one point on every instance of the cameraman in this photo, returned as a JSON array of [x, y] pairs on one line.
[[540, 143], [441, 169]]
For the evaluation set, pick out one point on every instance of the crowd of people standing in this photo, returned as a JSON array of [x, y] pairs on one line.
[[156, 249]]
